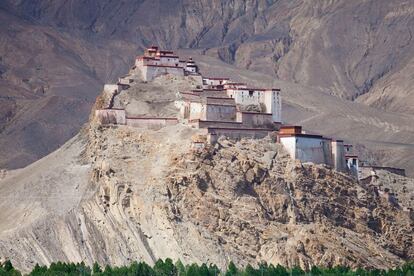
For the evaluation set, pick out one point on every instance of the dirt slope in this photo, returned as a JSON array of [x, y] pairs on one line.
[[117, 194]]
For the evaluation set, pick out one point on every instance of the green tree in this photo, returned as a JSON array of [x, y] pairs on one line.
[[166, 268], [213, 270], [315, 271], [96, 268], [296, 271], [232, 270], [192, 270], [180, 268], [8, 266]]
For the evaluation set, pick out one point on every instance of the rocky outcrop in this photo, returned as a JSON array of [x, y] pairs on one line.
[[115, 194], [250, 197]]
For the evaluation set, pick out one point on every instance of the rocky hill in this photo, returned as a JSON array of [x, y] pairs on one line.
[[115, 194], [55, 56]]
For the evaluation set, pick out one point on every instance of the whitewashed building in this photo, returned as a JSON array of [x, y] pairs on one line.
[[305, 147], [269, 98], [157, 62], [352, 160]]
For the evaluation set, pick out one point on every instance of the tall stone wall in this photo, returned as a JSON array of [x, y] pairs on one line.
[[217, 112], [338, 156], [151, 72], [236, 133], [150, 123], [254, 119], [111, 116]]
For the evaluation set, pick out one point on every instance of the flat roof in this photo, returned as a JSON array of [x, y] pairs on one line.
[[250, 112], [254, 89], [150, 118], [303, 135], [229, 128], [153, 65], [215, 78]]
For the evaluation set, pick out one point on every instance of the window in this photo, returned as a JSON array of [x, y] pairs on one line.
[[354, 162], [251, 93]]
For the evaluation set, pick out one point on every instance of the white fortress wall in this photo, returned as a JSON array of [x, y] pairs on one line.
[[155, 71], [310, 150], [218, 112], [235, 133], [254, 119], [273, 103], [338, 156], [289, 143], [197, 111], [245, 96], [111, 88]]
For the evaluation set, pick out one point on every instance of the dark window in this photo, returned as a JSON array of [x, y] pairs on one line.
[[251, 93], [354, 162]]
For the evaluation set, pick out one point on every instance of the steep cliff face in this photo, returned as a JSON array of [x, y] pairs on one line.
[[116, 194]]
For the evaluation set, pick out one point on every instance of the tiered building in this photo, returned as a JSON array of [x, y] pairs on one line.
[[157, 62], [222, 107]]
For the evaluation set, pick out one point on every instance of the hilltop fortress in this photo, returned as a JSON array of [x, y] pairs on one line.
[[221, 107]]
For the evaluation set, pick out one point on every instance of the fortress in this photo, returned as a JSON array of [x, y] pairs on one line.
[[222, 107]]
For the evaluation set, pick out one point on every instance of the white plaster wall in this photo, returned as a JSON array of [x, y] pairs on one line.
[[243, 97], [190, 69], [353, 168], [111, 88], [273, 103], [310, 150], [150, 72], [220, 113], [338, 156], [254, 119], [169, 61], [305, 149], [197, 111], [289, 143]]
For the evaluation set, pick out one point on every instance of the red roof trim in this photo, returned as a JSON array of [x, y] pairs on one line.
[[218, 104], [261, 113], [153, 65], [254, 89], [167, 56], [219, 122], [228, 128], [213, 78], [302, 135], [150, 118]]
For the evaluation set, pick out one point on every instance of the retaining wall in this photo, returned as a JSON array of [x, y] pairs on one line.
[[150, 123], [111, 116]]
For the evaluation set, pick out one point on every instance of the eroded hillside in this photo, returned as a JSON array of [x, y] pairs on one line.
[[115, 194]]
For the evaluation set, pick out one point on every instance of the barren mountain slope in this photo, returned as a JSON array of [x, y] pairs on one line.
[[344, 47], [54, 55], [49, 81], [115, 194]]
